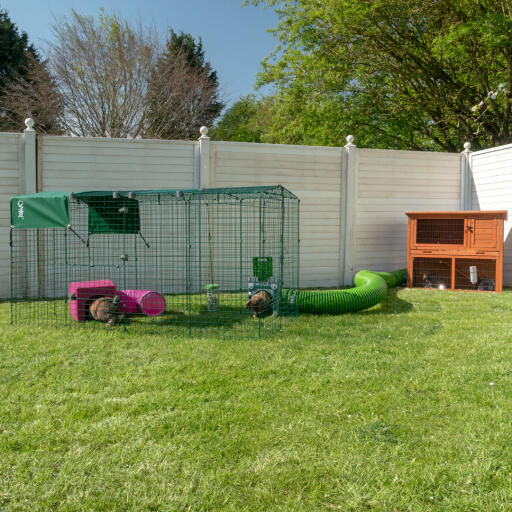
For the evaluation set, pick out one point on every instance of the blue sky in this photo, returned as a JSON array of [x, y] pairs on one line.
[[235, 37]]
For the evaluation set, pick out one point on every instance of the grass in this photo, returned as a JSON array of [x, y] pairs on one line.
[[405, 407]]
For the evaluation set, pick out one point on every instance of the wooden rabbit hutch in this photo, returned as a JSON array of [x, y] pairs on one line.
[[456, 250]]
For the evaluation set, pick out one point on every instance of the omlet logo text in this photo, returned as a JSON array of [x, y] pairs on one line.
[[20, 210]]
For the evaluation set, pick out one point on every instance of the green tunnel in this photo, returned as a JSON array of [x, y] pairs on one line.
[[370, 289]]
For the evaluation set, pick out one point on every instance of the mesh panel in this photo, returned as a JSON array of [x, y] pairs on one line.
[[474, 274], [440, 231], [153, 264], [432, 273]]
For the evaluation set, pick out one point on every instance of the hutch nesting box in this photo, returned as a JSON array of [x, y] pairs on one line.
[[456, 250]]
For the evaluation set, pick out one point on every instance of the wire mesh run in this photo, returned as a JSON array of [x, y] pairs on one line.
[[216, 261], [432, 273], [475, 274], [440, 231]]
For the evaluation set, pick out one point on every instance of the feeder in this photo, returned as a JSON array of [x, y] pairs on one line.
[[212, 297]]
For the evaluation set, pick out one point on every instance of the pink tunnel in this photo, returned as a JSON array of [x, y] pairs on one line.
[[148, 302]]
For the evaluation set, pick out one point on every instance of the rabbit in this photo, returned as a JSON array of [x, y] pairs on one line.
[[430, 281], [106, 309], [260, 303]]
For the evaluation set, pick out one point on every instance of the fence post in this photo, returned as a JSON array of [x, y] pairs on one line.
[[204, 158], [29, 186], [466, 178], [350, 199], [29, 153]]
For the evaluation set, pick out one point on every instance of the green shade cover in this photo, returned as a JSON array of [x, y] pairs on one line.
[[41, 210], [105, 214]]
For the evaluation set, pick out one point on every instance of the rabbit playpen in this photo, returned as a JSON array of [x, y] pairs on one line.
[[192, 260]]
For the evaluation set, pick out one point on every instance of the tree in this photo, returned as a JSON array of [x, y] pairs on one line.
[[32, 93], [247, 120], [102, 69], [17, 58], [14, 50], [415, 74], [183, 91]]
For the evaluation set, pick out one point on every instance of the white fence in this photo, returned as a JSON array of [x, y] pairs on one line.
[[492, 190], [72, 163], [314, 174], [11, 161], [352, 200], [389, 183]]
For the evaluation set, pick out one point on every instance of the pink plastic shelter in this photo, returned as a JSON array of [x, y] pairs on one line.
[[81, 294]]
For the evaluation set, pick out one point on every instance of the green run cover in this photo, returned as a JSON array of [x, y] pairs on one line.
[[41, 210], [106, 213], [120, 214]]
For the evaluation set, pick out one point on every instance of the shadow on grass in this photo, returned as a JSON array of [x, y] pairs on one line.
[[391, 305], [229, 321], [226, 317]]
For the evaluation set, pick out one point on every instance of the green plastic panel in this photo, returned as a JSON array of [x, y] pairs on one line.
[[262, 267], [41, 210]]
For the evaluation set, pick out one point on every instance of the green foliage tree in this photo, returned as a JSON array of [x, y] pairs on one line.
[[415, 74], [192, 51], [183, 90], [14, 50], [247, 120]]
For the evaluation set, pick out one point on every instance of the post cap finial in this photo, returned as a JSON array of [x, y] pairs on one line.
[[29, 123], [350, 141], [204, 131], [467, 147]]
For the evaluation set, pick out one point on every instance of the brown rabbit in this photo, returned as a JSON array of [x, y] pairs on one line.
[[260, 303], [106, 309]]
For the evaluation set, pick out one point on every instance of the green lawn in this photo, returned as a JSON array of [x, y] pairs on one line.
[[407, 406]]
